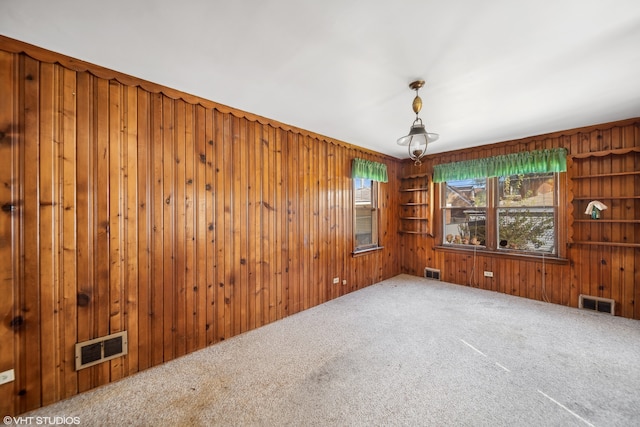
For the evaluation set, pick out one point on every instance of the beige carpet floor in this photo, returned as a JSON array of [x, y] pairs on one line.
[[407, 352]]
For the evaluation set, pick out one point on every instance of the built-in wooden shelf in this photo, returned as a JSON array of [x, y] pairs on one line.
[[590, 242], [605, 197], [414, 204], [618, 151], [416, 175], [586, 230], [605, 175], [414, 189], [621, 221]]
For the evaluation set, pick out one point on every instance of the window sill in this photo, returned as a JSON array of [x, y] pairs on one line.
[[366, 251], [551, 259]]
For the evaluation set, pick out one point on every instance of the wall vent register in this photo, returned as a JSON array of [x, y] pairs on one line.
[[92, 352], [603, 305], [431, 273]]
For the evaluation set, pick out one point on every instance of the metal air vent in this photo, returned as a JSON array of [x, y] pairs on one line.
[[92, 352], [603, 305], [431, 273]]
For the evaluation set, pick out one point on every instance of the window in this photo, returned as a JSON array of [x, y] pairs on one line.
[[513, 213], [365, 214], [465, 211], [527, 212], [366, 175]]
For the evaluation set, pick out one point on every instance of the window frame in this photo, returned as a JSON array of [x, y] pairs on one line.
[[375, 217], [492, 216]]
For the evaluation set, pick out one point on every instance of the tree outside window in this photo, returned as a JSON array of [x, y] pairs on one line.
[[526, 212]]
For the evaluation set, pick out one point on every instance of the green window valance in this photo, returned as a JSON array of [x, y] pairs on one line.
[[551, 160], [367, 169]]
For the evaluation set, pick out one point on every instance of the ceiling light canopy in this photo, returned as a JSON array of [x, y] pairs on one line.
[[418, 137]]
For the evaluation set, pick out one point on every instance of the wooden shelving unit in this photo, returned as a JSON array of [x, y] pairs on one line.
[[609, 176], [414, 204]]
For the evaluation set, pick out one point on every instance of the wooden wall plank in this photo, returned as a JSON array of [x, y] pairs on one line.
[[237, 206], [253, 229], [179, 240], [29, 372], [190, 283], [101, 302], [303, 219], [144, 180], [292, 225], [211, 158], [279, 218], [271, 215], [314, 231], [242, 231], [130, 231], [167, 222], [157, 255], [9, 198], [49, 232], [200, 237], [322, 209], [226, 316], [222, 161], [69, 253], [205, 187], [347, 209], [85, 157], [115, 215], [266, 236]]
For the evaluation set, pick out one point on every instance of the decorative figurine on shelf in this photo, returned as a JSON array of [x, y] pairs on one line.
[[594, 207]]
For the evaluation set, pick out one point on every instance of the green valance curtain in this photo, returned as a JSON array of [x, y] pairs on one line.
[[367, 169], [552, 160]]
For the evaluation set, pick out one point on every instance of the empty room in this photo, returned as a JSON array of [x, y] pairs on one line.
[[320, 213]]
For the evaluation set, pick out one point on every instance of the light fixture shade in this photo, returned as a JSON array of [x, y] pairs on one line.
[[418, 130]]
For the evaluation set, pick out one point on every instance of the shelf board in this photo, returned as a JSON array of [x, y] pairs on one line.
[[619, 151], [617, 221], [413, 232], [414, 204], [414, 218], [605, 175], [414, 189], [606, 197], [626, 245], [417, 175]]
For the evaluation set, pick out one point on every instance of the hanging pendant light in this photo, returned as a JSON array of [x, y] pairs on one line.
[[418, 137]]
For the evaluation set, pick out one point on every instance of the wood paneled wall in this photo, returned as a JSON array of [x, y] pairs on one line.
[[602, 257], [128, 206]]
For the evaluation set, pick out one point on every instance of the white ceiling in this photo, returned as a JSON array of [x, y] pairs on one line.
[[495, 70]]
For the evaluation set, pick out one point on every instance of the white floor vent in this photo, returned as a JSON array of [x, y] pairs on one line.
[[92, 352], [603, 305], [431, 273]]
